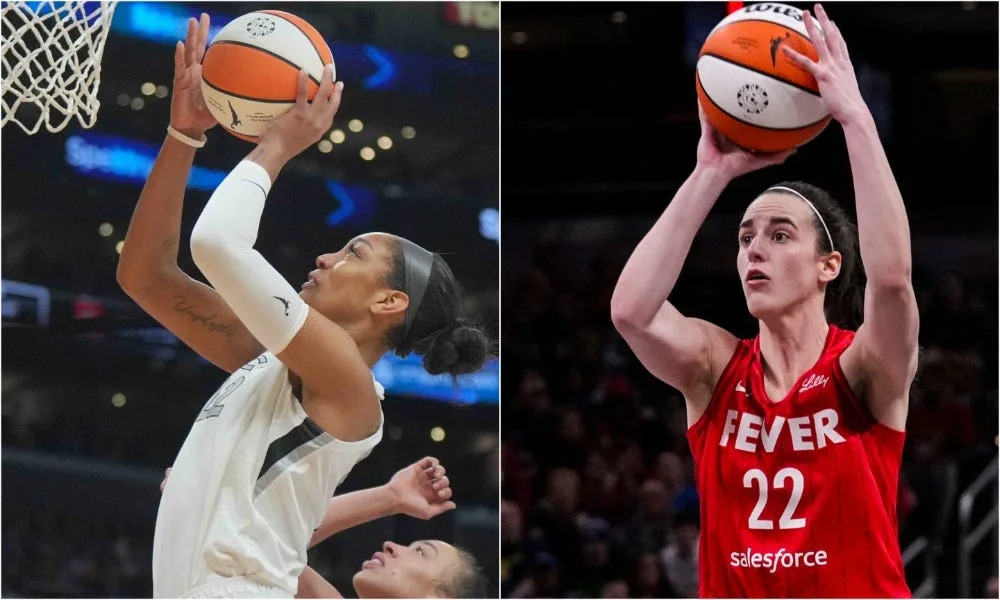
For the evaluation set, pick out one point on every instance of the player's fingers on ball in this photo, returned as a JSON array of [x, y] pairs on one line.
[[824, 19], [815, 36], [303, 94], [202, 36], [837, 41], [800, 59], [831, 33], [179, 63], [191, 40], [325, 85], [335, 97]]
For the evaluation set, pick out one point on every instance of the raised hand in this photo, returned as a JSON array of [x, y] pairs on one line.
[[422, 489], [306, 122], [715, 151], [188, 113], [834, 72]]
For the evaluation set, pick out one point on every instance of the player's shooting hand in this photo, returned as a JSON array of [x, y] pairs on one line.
[[188, 112], [306, 122], [422, 489], [834, 72], [730, 160]]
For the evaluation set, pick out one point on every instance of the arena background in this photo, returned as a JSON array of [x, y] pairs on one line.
[[97, 398], [599, 128]]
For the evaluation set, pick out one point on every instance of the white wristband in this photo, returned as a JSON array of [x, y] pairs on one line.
[[185, 139]]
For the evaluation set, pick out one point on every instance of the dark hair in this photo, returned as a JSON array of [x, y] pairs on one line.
[[844, 302], [468, 580], [447, 343]]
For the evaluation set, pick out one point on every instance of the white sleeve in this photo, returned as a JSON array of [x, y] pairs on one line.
[[222, 247]]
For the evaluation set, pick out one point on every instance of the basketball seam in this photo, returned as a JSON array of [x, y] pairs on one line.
[[732, 116], [242, 97], [766, 74], [295, 25], [269, 53]]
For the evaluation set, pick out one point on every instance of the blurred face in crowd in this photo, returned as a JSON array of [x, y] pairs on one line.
[[511, 523], [571, 427], [564, 490], [655, 501], [421, 570], [687, 534], [778, 262], [670, 470], [615, 589], [595, 553], [647, 572]]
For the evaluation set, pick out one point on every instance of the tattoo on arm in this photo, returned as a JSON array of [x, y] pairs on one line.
[[183, 306]]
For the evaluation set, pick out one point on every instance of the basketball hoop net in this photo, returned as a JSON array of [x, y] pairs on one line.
[[52, 62]]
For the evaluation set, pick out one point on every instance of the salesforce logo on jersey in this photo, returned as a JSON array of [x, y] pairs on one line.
[[407, 377], [772, 560]]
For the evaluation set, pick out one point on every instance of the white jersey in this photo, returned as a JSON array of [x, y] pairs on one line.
[[250, 484]]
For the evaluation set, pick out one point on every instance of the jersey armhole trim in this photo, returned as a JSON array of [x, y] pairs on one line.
[[741, 348], [841, 380]]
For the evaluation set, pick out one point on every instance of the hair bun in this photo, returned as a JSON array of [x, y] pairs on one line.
[[457, 350]]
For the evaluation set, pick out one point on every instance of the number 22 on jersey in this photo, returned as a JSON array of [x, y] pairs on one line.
[[759, 479]]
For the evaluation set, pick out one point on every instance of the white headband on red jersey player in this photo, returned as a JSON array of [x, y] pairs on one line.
[[789, 190]]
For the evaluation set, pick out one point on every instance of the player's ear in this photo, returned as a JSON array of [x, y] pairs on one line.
[[390, 302]]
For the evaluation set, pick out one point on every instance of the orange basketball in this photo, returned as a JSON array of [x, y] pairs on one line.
[[250, 71], [750, 92]]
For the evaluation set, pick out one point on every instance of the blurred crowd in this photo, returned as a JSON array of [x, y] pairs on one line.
[[49, 554], [598, 493]]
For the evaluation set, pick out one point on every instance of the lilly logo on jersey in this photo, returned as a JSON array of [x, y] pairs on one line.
[[807, 433], [781, 558], [813, 381]]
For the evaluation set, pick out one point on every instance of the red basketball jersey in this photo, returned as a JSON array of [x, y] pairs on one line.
[[797, 497]]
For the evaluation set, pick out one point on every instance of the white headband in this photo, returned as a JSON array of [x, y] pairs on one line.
[[806, 200]]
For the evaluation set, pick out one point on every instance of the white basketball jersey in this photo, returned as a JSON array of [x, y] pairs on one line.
[[250, 484]]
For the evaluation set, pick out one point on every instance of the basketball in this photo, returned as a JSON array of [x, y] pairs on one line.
[[750, 91], [250, 70]]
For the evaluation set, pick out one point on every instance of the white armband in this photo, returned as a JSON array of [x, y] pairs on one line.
[[222, 247]]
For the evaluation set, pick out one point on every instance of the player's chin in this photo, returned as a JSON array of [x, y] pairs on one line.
[[759, 306], [367, 583]]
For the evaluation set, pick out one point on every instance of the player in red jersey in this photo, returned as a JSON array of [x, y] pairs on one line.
[[797, 434]]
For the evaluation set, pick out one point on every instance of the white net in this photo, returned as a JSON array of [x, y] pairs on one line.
[[52, 62]]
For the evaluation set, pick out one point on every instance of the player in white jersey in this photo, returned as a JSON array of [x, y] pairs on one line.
[[424, 569], [301, 407]]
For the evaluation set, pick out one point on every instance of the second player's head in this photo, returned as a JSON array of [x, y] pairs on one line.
[[385, 289], [424, 569], [791, 255]]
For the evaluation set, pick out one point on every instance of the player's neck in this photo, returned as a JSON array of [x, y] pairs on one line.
[[372, 347], [792, 344], [371, 351]]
